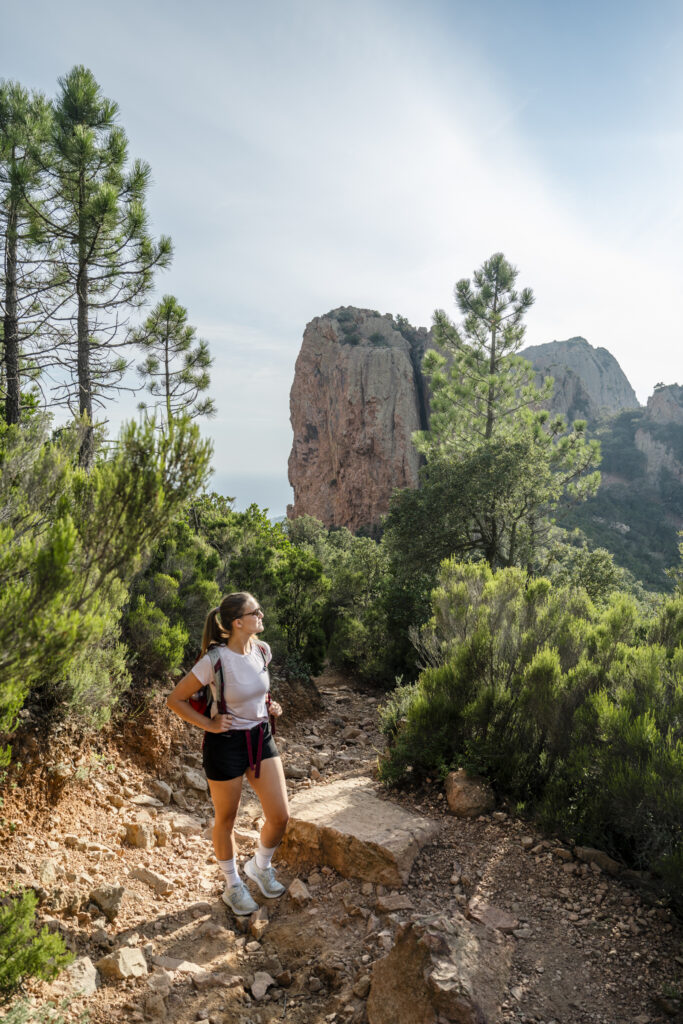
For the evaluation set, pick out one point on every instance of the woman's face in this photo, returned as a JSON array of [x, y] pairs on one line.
[[251, 618]]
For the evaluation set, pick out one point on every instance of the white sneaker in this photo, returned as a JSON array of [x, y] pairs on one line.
[[239, 899], [264, 878]]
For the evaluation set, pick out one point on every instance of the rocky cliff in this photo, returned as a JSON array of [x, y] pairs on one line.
[[589, 383], [660, 435], [358, 395]]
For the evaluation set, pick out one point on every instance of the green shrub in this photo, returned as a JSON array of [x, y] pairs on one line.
[[157, 644], [96, 679], [575, 713], [23, 1012], [26, 952]]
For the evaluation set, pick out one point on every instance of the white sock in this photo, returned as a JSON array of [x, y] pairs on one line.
[[229, 869], [264, 855]]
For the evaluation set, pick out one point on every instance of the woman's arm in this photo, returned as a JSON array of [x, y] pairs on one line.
[[179, 701]]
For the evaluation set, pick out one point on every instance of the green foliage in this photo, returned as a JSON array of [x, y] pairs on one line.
[[573, 711], [353, 613], [68, 541], [98, 674], [23, 1012], [159, 646], [176, 367], [25, 951], [592, 570], [29, 284], [496, 467]]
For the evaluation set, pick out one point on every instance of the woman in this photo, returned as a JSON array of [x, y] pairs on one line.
[[238, 741]]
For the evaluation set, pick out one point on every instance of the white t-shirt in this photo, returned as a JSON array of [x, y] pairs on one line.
[[245, 683]]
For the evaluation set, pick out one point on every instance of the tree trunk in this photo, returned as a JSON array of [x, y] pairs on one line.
[[87, 450], [492, 370], [11, 324], [167, 379]]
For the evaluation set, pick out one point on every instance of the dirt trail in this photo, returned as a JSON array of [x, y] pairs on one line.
[[588, 949]]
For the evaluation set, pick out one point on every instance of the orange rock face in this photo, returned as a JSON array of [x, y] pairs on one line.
[[357, 397]]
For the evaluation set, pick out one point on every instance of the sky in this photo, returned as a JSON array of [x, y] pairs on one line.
[[318, 153]]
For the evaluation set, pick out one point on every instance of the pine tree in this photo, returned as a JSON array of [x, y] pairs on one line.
[[97, 210], [176, 369], [496, 462], [29, 292]]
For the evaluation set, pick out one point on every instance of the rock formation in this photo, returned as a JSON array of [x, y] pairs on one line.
[[660, 438], [665, 405], [589, 383], [358, 395]]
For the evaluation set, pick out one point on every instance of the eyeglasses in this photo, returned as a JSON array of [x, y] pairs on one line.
[[252, 611]]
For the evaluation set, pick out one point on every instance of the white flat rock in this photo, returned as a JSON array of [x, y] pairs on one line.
[[346, 826]]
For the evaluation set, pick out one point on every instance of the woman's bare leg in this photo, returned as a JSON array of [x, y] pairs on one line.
[[271, 790], [226, 801]]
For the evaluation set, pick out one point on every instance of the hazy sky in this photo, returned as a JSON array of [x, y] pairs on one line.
[[308, 155]]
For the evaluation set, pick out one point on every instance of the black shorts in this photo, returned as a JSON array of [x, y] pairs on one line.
[[226, 756]]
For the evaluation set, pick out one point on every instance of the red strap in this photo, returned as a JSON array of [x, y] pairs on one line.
[[255, 765]]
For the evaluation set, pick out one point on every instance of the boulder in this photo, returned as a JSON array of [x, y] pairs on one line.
[[154, 880], [298, 893], [161, 790], [440, 968], [172, 963], [184, 824], [194, 779], [346, 826], [490, 916], [108, 898], [393, 902], [155, 1007], [216, 979], [468, 795], [82, 977], [126, 962], [47, 872], [590, 856], [261, 984], [139, 834], [160, 982], [145, 800]]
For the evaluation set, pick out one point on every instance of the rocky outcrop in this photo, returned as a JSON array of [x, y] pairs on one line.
[[347, 827], [442, 968], [589, 383], [665, 405], [357, 397], [660, 438]]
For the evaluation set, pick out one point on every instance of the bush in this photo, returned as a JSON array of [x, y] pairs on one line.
[[26, 952], [158, 645], [572, 711]]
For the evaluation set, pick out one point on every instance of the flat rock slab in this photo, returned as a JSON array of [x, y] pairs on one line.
[[346, 826]]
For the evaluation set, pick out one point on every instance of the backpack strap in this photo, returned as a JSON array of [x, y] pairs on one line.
[[218, 686], [262, 652], [271, 718]]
